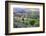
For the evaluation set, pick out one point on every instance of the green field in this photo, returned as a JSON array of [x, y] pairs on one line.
[[30, 21]]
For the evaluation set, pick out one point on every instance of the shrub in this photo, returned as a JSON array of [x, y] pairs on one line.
[[32, 22]]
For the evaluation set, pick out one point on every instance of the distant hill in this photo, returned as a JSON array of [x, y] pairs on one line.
[[25, 11]]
